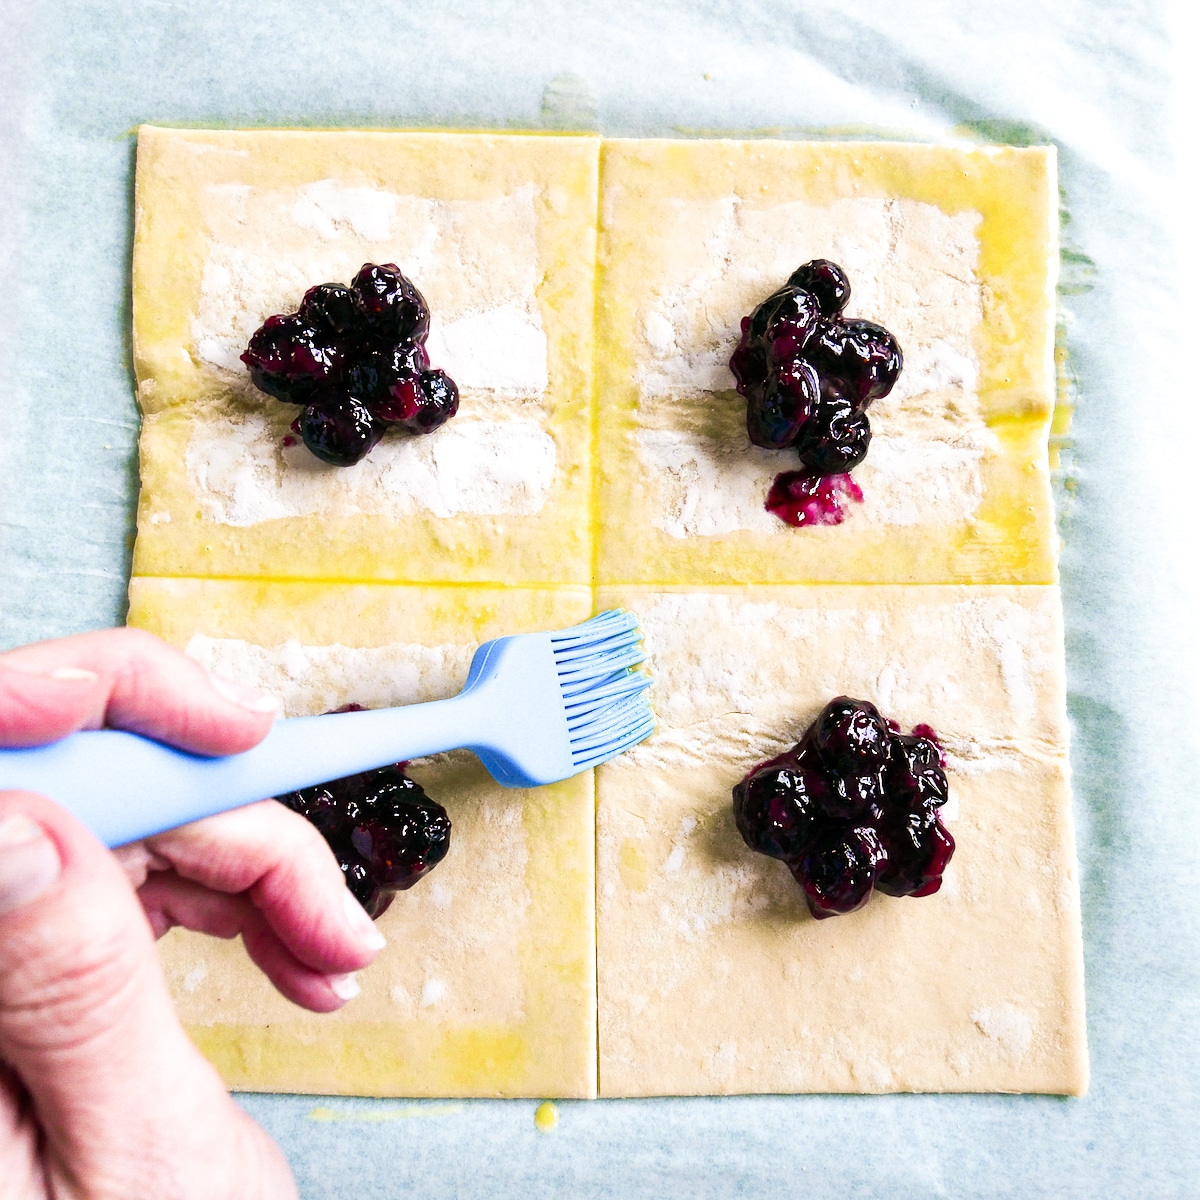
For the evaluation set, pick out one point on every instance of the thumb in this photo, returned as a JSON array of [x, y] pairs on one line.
[[87, 1024]]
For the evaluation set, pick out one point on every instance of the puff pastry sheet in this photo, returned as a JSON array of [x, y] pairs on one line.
[[586, 296]]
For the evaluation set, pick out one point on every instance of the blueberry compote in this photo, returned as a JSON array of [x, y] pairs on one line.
[[851, 808], [354, 358], [383, 829], [808, 374]]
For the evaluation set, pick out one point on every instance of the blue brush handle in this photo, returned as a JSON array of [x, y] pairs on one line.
[[124, 787]]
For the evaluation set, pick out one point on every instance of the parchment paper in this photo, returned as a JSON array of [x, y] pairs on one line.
[[1093, 77]]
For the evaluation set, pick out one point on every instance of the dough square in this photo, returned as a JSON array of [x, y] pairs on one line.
[[487, 986], [712, 976], [954, 250], [498, 231]]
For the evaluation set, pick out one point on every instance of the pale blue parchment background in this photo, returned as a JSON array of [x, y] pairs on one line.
[[1090, 75]]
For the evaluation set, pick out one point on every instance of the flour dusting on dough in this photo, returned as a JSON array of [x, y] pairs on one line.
[[475, 261], [929, 435], [316, 679], [243, 474], [1006, 1025], [733, 699]]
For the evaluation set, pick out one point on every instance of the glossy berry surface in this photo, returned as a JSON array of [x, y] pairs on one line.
[[291, 360], [778, 807], [795, 319], [383, 829], [835, 439], [339, 429], [437, 402], [777, 412], [826, 282], [355, 358], [858, 361], [808, 374], [394, 309], [838, 873], [331, 307], [852, 808], [851, 737]]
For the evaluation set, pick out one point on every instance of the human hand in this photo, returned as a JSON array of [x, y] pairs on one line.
[[101, 1092]]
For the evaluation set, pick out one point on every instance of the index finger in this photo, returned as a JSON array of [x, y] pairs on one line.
[[125, 679]]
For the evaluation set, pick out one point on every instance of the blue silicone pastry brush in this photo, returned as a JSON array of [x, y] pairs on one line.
[[536, 708]]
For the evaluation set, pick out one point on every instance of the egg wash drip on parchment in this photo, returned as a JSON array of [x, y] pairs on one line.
[[475, 261]]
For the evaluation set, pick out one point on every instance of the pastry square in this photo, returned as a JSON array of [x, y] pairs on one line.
[[712, 976], [953, 250], [487, 987], [498, 231]]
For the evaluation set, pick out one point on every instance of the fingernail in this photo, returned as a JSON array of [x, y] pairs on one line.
[[362, 925], [344, 987], [64, 674], [74, 675], [29, 862], [250, 699]]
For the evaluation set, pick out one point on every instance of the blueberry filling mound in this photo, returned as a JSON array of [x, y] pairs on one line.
[[852, 808], [354, 359], [809, 373], [385, 832]]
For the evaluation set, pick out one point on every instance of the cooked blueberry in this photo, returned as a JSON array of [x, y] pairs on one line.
[[385, 832], [361, 884], [915, 774], [918, 847], [373, 373], [778, 809], [398, 852], [776, 412], [437, 402], [927, 732], [749, 365], [859, 796], [384, 793], [826, 281], [840, 796], [760, 318], [332, 307], [794, 321], [355, 358], [834, 439], [795, 332], [401, 402], [317, 805], [290, 360], [857, 360], [393, 306], [851, 737], [838, 873], [851, 807], [340, 430], [366, 375]]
